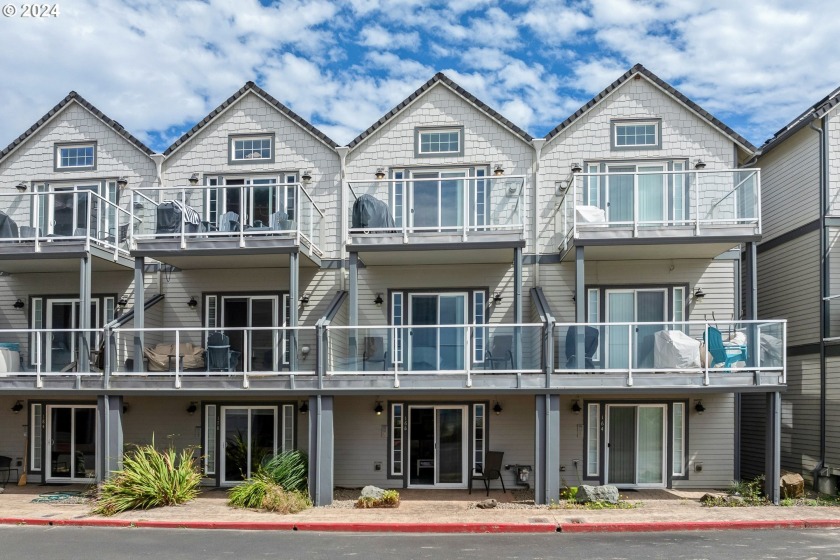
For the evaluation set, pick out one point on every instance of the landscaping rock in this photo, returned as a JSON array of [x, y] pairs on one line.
[[372, 492], [792, 485], [597, 494], [487, 504]]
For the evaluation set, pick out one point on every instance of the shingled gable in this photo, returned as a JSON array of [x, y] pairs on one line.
[[440, 77], [816, 111], [75, 97], [252, 87], [639, 69]]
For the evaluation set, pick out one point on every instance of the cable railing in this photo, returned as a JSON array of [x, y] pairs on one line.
[[262, 210], [696, 200], [450, 203], [675, 347]]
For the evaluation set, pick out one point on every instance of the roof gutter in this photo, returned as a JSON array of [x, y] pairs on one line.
[[824, 311]]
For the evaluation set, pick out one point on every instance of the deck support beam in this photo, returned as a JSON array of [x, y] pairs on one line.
[[294, 304], [580, 309], [321, 439], [85, 319], [517, 307], [547, 446], [139, 312], [109, 411], [772, 446]]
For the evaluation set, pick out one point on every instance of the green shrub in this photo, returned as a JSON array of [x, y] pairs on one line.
[[288, 469], [283, 501], [389, 499], [150, 478], [251, 493], [279, 485], [569, 493]]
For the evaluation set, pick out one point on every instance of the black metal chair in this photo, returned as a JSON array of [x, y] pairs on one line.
[[374, 351], [492, 471], [500, 353], [590, 346], [6, 467]]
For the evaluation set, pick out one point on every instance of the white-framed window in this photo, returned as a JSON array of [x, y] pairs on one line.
[[36, 436], [252, 148], [479, 436], [679, 306], [398, 196], [37, 310], [593, 187], [210, 439], [397, 435], [288, 427], [593, 439], [398, 319], [76, 157], [593, 313], [678, 443], [636, 134], [479, 337], [440, 141]]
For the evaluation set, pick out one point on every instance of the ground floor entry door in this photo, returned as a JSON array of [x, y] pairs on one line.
[[635, 453], [71, 439], [249, 436], [437, 454]]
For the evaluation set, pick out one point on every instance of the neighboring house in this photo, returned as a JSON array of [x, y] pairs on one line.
[[443, 286], [797, 280]]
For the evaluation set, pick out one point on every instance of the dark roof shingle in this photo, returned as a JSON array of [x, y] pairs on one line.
[[815, 111]]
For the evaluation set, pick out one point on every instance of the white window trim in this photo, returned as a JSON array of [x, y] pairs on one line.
[[393, 470], [58, 158], [476, 408], [593, 415], [232, 148], [657, 133], [210, 439], [681, 430], [36, 437], [422, 131]]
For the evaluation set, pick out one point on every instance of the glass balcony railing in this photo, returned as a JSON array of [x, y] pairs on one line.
[[436, 349], [66, 214], [672, 347], [51, 352], [258, 210], [446, 203], [640, 200]]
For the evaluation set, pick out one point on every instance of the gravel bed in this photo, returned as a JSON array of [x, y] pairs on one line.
[[522, 499], [344, 498]]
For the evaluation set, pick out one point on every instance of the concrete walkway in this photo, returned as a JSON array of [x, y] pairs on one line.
[[426, 510]]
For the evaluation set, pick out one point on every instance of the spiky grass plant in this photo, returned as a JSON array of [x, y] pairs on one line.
[[150, 478], [279, 485], [288, 469]]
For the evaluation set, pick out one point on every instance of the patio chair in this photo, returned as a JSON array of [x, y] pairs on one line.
[[500, 352], [219, 355], [492, 471], [722, 354], [374, 351], [29, 232], [229, 221], [279, 221], [7, 468], [590, 346]]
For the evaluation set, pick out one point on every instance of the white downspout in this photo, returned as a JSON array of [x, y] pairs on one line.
[[343, 207], [537, 144]]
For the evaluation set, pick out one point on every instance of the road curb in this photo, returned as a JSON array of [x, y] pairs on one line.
[[696, 526]]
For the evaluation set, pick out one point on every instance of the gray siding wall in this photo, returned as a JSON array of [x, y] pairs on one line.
[[832, 393]]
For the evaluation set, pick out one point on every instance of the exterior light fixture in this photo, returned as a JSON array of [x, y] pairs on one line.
[[576, 408], [126, 408], [304, 351], [380, 173], [699, 293], [122, 182], [19, 304], [123, 301], [379, 301], [498, 170], [18, 406], [21, 187], [497, 408], [576, 168], [497, 298], [304, 407], [378, 408], [562, 186], [193, 303], [192, 408], [304, 299], [194, 179], [700, 164], [698, 406], [306, 176]]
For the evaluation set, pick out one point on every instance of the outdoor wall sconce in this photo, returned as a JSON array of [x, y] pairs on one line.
[[497, 408], [192, 408], [304, 299], [126, 408], [379, 301], [193, 179], [700, 164], [19, 304], [304, 351], [562, 186], [380, 173], [123, 301], [304, 407], [193, 303], [576, 408], [21, 187], [306, 176], [498, 170], [497, 298], [699, 293], [378, 408], [576, 168], [122, 182], [698, 406], [18, 406]]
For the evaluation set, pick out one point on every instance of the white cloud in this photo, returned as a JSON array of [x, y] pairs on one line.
[[377, 37]]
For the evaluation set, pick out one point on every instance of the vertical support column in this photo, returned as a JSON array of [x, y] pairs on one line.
[[772, 445], [321, 450], [547, 446], [109, 435], [85, 320], [751, 304], [517, 307], [580, 309], [294, 302], [139, 312], [353, 284]]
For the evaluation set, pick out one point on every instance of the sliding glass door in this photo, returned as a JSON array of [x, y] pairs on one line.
[[437, 446], [434, 347], [636, 445], [437, 205], [249, 437], [642, 181], [629, 306], [258, 348], [71, 449], [61, 345]]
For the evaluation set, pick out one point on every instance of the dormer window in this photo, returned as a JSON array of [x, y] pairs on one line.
[[629, 135], [75, 157], [251, 149], [439, 141]]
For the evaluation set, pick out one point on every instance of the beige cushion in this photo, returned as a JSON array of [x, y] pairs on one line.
[[158, 356]]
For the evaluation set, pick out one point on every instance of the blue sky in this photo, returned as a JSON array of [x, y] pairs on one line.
[[159, 66]]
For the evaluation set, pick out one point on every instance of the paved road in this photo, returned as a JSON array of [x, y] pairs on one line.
[[171, 544]]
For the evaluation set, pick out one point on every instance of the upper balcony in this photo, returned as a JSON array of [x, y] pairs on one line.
[[49, 230], [253, 223], [647, 211], [482, 217]]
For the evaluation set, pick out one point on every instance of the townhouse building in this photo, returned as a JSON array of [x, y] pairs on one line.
[[443, 287], [797, 280]]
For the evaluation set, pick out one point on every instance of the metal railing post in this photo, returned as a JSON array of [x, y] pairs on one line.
[[705, 358], [177, 359], [696, 203], [630, 328], [183, 220], [39, 382]]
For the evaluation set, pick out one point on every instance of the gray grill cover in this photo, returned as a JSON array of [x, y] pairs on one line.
[[169, 219], [369, 212], [8, 227]]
